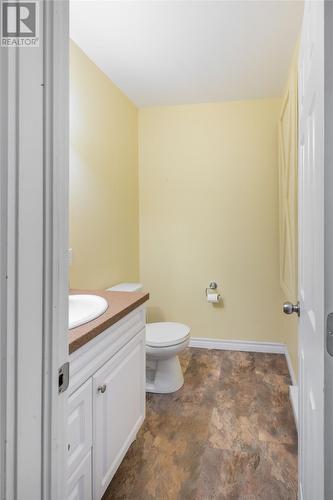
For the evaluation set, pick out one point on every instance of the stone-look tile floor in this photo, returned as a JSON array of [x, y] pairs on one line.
[[229, 433]]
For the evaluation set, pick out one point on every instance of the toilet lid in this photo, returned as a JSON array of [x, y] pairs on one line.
[[166, 334]]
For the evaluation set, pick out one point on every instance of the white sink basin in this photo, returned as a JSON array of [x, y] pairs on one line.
[[85, 308]]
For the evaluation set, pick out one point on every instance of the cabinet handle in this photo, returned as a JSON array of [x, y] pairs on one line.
[[101, 388]]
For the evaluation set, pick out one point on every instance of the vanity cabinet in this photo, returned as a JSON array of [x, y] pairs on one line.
[[106, 406]]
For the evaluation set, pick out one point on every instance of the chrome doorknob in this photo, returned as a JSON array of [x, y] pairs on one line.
[[289, 308], [101, 388]]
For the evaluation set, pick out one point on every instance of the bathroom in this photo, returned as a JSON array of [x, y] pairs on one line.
[[175, 176], [166, 229]]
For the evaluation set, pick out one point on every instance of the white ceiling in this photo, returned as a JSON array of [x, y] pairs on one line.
[[176, 52]]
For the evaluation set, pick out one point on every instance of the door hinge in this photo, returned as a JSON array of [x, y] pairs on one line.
[[329, 334], [63, 377]]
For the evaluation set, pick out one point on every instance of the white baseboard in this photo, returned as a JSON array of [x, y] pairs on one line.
[[238, 345], [290, 367], [293, 394], [253, 346]]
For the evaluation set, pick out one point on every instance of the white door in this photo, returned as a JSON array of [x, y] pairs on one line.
[[34, 253], [118, 410], [311, 253], [328, 243]]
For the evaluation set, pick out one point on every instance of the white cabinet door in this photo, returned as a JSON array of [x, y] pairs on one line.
[[79, 484], [118, 410], [79, 425]]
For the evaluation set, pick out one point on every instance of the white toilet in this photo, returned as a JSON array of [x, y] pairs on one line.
[[164, 341]]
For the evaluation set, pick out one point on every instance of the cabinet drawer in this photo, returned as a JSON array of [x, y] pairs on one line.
[[79, 485], [79, 425], [85, 361]]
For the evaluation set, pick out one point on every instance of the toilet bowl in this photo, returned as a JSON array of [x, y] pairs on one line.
[[164, 341]]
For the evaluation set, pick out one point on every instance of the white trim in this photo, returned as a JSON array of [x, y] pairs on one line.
[[21, 272], [56, 186], [8, 172], [290, 367], [293, 395], [33, 260], [293, 389], [56, 152], [238, 345], [300, 491]]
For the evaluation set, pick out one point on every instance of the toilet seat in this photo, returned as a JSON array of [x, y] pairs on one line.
[[166, 334]]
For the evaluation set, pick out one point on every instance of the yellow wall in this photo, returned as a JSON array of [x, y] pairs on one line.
[[103, 178], [209, 211], [208, 206]]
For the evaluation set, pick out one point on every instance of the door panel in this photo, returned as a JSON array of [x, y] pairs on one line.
[[311, 253], [288, 138]]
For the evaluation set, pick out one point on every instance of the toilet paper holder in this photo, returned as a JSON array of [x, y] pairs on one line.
[[212, 296], [212, 286]]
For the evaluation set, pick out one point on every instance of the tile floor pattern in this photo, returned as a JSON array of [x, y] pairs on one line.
[[227, 434]]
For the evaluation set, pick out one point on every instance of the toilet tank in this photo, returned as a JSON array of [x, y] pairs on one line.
[[126, 287]]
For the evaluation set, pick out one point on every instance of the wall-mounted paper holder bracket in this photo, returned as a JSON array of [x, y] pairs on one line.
[[212, 286]]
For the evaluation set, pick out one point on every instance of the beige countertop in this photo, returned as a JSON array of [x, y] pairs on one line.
[[120, 304]]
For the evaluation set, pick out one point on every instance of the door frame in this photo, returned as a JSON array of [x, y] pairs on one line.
[[34, 94]]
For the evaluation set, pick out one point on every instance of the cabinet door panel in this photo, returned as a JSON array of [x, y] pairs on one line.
[[119, 411], [79, 484], [79, 425]]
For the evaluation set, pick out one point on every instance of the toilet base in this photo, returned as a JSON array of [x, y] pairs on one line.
[[167, 376]]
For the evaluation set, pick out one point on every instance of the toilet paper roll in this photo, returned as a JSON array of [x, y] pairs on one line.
[[213, 297]]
